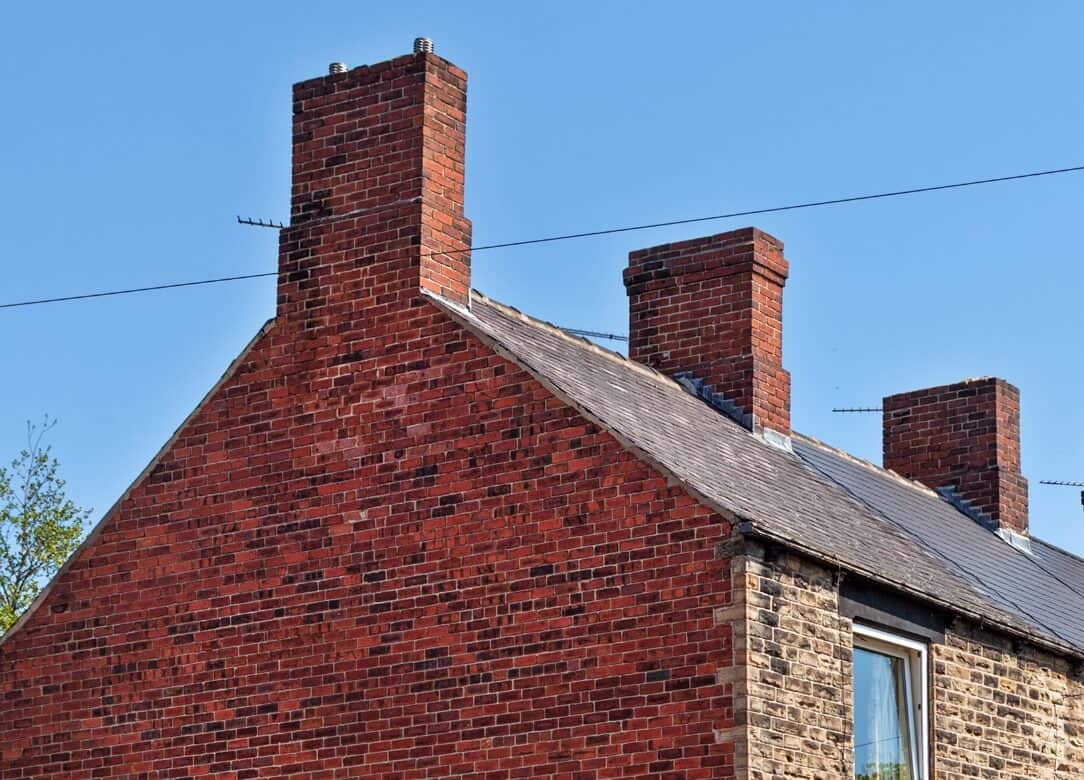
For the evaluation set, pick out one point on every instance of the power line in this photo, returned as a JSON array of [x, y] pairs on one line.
[[858, 410], [586, 234], [136, 290], [772, 210]]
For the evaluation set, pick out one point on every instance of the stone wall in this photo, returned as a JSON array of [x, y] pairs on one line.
[[798, 697], [1002, 710]]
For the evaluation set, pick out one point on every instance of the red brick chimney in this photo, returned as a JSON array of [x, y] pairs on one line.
[[965, 438], [376, 211], [713, 308]]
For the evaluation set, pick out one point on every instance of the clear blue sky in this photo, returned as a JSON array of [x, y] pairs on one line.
[[133, 133]]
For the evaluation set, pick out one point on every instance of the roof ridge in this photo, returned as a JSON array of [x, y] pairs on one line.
[[557, 330], [867, 464], [616, 357]]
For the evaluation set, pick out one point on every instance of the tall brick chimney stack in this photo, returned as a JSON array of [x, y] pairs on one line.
[[376, 210], [964, 438], [713, 307]]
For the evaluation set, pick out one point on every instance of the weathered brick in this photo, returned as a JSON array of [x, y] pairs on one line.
[[380, 549]]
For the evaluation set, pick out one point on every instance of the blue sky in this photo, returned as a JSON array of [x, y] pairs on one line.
[[133, 134]]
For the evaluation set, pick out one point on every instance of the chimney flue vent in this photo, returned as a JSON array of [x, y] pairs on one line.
[[423, 45], [336, 67]]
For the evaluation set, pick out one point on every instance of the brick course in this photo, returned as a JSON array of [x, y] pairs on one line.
[[429, 569]]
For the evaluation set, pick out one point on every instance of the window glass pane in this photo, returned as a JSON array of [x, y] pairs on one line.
[[882, 724]]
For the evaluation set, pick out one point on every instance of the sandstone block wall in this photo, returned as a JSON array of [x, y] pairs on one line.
[[1001, 709], [1004, 710]]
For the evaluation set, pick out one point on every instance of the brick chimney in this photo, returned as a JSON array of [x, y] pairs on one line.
[[964, 440], [713, 307], [376, 210]]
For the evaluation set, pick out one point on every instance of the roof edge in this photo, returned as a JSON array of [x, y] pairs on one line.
[[915, 485], [866, 464], [750, 528], [96, 531], [557, 330], [1062, 550]]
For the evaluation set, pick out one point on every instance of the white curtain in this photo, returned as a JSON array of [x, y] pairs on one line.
[[882, 749]]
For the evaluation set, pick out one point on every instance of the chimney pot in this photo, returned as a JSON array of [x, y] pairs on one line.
[[336, 67], [423, 45]]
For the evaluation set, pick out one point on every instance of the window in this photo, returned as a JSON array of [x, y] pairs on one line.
[[890, 724]]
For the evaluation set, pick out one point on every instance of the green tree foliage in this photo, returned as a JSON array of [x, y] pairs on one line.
[[39, 526], [885, 771]]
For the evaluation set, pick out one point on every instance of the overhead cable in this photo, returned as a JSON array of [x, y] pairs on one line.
[[585, 234]]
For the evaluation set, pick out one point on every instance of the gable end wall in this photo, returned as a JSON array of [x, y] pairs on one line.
[[387, 557]]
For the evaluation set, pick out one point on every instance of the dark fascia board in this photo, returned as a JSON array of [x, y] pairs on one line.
[[867, 602]]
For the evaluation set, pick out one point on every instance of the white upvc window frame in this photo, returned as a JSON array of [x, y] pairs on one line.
[[914, 654]]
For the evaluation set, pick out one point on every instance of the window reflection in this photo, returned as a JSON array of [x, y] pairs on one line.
[[882, 723]]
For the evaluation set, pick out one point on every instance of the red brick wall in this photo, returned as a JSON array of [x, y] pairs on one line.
[[391, 563], [713, 306], [965, 436], [380, 550]]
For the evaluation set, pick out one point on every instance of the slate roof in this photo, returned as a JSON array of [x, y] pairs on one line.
[[815, 499], [1045, 588]]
